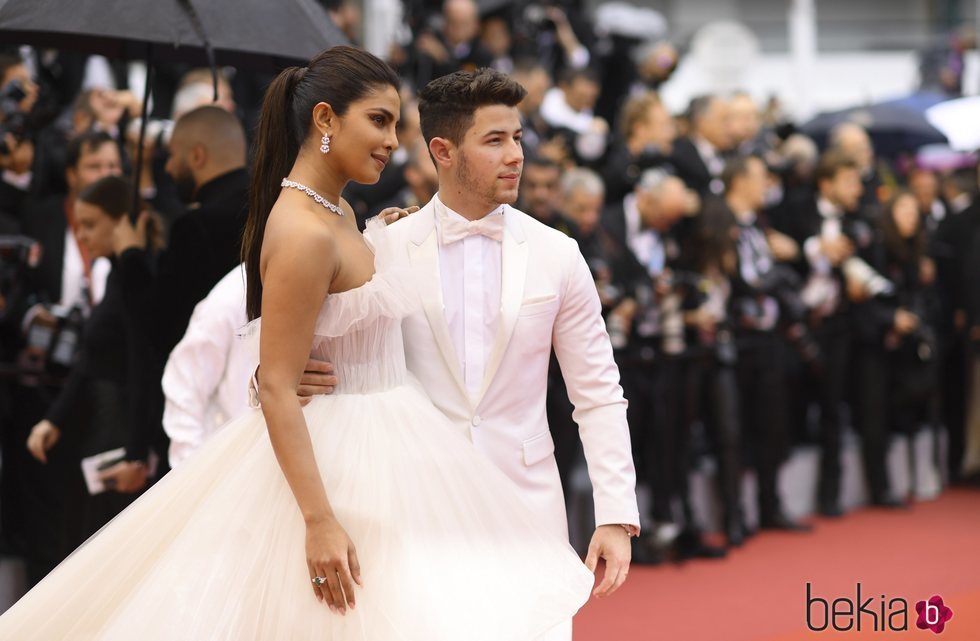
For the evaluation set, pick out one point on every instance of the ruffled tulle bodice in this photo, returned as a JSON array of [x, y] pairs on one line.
[[359, 331]]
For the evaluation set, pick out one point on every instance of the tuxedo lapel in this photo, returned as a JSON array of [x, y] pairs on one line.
[[513, 275], [424, 255]]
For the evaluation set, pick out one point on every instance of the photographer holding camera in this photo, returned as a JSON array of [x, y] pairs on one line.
[[896, 345], [646, 325], [45, 322], [18, 95]]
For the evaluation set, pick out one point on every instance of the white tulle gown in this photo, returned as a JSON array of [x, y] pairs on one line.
[[215, 551]]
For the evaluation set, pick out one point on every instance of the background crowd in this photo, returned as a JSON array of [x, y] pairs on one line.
[[760, 292]]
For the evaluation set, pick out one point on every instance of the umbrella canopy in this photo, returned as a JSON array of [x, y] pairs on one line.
[[228, 32], [241, 32], [893, 126], [960, 120]]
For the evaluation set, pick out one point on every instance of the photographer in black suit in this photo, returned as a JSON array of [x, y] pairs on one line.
[[833, 237], [895, 343], [57, 294], [764, 301], [207, 163]]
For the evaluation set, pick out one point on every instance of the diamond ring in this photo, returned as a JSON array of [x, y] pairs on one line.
[[319, 580]]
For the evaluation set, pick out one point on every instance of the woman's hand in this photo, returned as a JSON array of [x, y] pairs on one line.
[[43, 437], [125, 477], [331, 557]]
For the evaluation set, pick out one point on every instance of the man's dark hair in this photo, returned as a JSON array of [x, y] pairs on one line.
[[699, 106], [8, 61], [570, 75], [738, 167], [832, 162], [447, 104], [534, 160], [87, 141]]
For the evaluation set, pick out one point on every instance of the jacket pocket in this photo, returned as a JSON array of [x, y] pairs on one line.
[[538, 448]]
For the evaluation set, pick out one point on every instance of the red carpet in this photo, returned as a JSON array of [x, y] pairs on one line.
[[759, 592]]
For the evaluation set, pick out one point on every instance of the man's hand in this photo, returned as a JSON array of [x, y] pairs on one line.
[[783, 247], [43, 437], [905, 322], [318, 378], [125, 477], [391, 214], [612, 543]]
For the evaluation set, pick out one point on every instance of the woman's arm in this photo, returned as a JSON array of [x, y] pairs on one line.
[[298, 264]]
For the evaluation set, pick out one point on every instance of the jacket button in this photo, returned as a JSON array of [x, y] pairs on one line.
[[476, 421]]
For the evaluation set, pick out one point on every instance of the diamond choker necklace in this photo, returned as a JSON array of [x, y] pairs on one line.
[[312, 194]]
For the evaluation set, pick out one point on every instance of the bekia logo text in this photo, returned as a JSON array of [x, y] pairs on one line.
[[877, 614]]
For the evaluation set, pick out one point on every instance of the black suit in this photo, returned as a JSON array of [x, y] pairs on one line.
[[46, 222], [204, 245], [833, 334], [690, 166]]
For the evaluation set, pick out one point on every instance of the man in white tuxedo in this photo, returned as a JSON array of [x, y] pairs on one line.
[[499, 291]]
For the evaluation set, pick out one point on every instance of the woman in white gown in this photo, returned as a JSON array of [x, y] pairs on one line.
[[363, 515]]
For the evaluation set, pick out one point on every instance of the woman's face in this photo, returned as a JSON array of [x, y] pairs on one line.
[[94, 229], [362, 142], [905, 214]]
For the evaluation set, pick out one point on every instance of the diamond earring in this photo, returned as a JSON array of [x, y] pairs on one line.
[[325, 144]]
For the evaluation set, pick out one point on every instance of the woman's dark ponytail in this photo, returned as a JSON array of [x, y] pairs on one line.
[[276, 148]]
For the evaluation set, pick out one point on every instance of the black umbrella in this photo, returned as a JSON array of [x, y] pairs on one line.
[[894, 127], [242, 33]]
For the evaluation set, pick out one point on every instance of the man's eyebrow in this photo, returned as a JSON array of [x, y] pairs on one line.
[[503, 132]]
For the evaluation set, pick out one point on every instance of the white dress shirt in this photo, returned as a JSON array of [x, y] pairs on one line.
[[203, 381], [472, 311]]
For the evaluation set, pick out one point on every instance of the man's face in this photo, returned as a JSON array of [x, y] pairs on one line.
[[489, 160], [94, 164], [584, 209], [856, 144], [844, 189], [178, 166], [582, 94], [658, 128], [744, 120], [662, 209], [462, 21], [540, 190], [715, 124], [537, 83]]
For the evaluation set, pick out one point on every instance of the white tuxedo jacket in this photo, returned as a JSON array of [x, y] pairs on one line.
[[548, 298]]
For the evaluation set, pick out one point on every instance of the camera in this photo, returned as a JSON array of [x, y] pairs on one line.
[[14, 120], [17, 255], [54, 347]]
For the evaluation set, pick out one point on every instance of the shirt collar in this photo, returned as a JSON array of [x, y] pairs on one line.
[[828, 209]]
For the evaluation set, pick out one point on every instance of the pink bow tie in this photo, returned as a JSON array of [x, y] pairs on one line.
[[452, 228]]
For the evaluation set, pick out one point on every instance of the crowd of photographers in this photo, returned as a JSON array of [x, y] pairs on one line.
[[759, 292]]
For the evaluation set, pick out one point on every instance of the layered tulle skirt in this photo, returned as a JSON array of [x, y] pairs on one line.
[[216, 550]]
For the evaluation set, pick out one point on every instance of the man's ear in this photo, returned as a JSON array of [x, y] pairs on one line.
[[198, 156], [443, 152]]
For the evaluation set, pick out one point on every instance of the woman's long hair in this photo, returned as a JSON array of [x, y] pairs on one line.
[[338, 76], [902, 250]]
